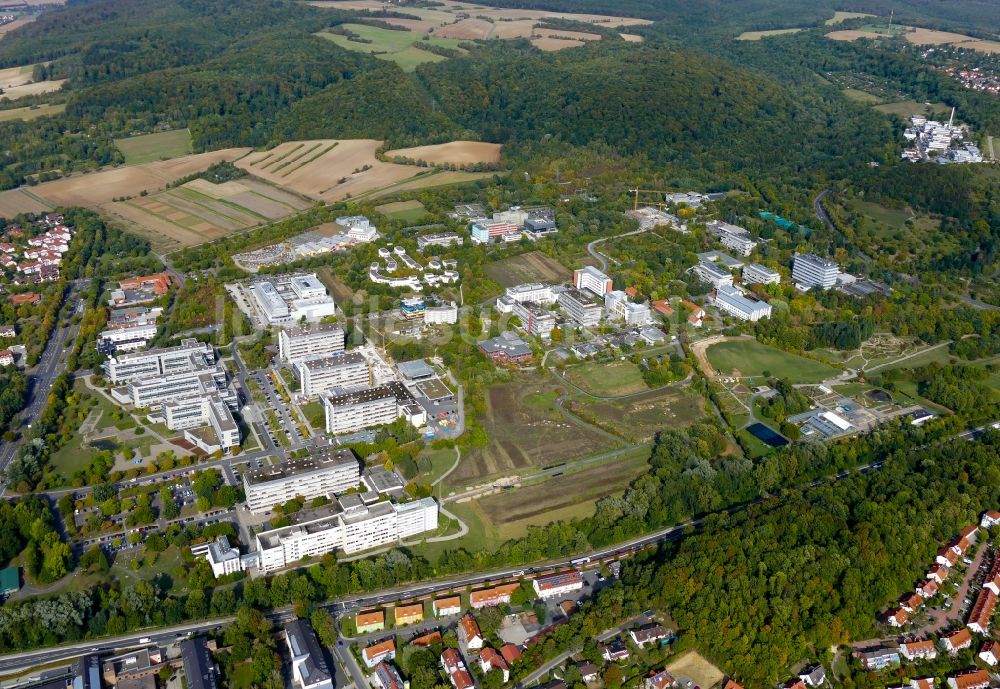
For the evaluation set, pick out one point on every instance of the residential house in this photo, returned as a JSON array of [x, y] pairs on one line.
[[445, 607], [813, 676], [659, 680], [878, 658], [918, 650], [923, 683], [946, 557], [588, 672], [897, 618], [990, 519], [732, 684], [372, 621], [510, 653], [387, 677], [794, 684], [911, 602], [490, 659], [928, 588], [458, 674], [992, 579], [409, 614], [662, 307], [25, 298], [954, 642], [938, 573], [469, 634], [427, 639], [970, 679], [614, 652], [8, 331], [650, 633], [696, 314], [990, 653], [376, 653], [498, 595], [6, 357], [982, 611]]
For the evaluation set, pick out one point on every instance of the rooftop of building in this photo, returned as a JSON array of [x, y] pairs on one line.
[[305, 646], [322, 363], [317, 329], [328, 458], [397, 390]]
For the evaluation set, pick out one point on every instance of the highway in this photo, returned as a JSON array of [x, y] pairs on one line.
[[49, 366]]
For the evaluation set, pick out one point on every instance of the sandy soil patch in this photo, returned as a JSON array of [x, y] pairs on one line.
[[573, 35], [839, 17], [466, 29], [522, 28], [454, 152], [102, 187], [693, 666], [15, 76], [982, 46], [552, 44], [758, 35], [631, 38], [16, 201], [932, 37]]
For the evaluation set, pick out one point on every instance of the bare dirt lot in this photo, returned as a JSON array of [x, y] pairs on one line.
[[454, 152], [466, 29], [552, 44], [18, 201], [854, 34], [533, 266], [631, 38], [693, 666]]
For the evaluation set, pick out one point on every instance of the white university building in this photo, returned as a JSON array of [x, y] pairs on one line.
[[809, 270], [301, 342], [326, 473], [343, 372], [755, 273], [732, 301]]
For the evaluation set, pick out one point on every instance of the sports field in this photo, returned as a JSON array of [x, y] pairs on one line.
[[607, 379], [395, 46], [746, 357], [148, 148], [533, 266], [524, 435], [31, 113], [407, 211]]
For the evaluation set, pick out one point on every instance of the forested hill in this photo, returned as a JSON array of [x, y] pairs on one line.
[[685, 111]]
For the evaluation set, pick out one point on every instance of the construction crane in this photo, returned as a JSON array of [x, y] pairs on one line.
[[659, 202]]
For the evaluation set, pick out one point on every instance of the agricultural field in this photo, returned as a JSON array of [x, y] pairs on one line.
[[407, 211], [840, 17], [327, 169], [758, 35], [919, 36], [15, 83], [200, 211], [747, 357], [427, 180], [524, 435], [693, 666], [451, 153], [533, 266], [16, 24], [15, 201], [32, 112], [611, 379], [148, 148], [571, 495], [394, 46], [639, 418]]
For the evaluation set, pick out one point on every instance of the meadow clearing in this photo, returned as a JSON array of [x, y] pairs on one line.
[[745, 357], [533, 266], [148, 148]]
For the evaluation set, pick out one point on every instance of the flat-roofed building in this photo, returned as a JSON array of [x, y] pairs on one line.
[[712, 274], [755, 273], [309, 668], [301, 342], [581, 307], [199, 668], [619, 308], [592, 279], [535, 320], [537, 293], [291, 298], [441, 313], [362, 409], [558, 584], [125, 339], [809, 270], [347, 524], [732, 301], [342, 372], [326, 472], [186, 356]]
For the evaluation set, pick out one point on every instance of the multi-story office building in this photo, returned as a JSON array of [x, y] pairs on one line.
[[347, 524], [125, 339], [581, 307], [439, 239], [301, 342], [618, 306], [354, 411], [519, 294], [291, 298], [534, 319], [809, 270], [186, 356], [756, 273], [326, 472], [309, 668], [344, 372], [484, 231], [208, 410], [590, 278], [444, 313], [153, 391], [732, 236], [713, 274], [732, 301]]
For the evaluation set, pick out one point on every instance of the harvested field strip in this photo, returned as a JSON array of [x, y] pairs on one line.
[[311, 159], [261, 160], [35, 197], [200, 204], [284, 155], [274, 200], [291, 160], [159, 216]]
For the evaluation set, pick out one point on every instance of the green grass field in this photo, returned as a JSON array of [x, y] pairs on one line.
[[407, 211], [911, 107], [148, 148], [758, 35], [32, 112], [751, 358], [396, 46], [607, 379], [861, 96]]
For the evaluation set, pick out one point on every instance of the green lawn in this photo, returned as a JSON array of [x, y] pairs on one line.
[[611, 379], [939, 355], [315, 413], [407, 211], [752, 358], [861, 96], [148, 148], [396, 46], [432, 463], [911, 107]]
